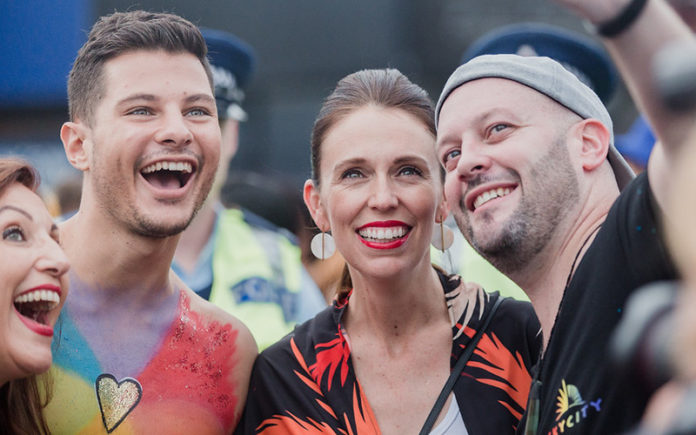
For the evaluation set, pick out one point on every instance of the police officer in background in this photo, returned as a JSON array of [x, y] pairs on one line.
[[236, 259]]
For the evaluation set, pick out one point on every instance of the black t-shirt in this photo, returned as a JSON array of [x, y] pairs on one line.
[[580, 391]]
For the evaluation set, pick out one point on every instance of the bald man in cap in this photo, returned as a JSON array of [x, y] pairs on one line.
[[538, 188], [586, 59]]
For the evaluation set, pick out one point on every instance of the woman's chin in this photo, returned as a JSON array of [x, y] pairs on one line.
[[38, 367], [38, 362]]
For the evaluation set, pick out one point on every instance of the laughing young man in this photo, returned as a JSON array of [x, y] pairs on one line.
[[538, 188], [139, 352]]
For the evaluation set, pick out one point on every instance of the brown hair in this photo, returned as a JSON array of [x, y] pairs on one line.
[[121, 32], [21, 406], [14, 170], [381, 87], [20, 401]]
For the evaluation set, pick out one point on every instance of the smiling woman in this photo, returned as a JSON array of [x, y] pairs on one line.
[[377, 360], [32, 267]]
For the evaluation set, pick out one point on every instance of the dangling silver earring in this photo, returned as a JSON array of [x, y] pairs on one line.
[[323, 245], [442, 237]]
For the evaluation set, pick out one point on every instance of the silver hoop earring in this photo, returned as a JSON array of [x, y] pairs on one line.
[[442, 237], [323, 245]]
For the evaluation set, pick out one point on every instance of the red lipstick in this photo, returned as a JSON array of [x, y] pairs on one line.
[[391, 244], [49, 287]]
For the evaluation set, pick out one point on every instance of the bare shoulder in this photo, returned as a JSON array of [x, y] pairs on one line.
[[246, 345], [211, 312], [245, 349]]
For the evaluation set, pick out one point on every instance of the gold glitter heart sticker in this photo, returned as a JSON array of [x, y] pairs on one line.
[[116, 399]]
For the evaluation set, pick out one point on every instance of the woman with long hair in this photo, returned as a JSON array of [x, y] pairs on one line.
[[32, 267]]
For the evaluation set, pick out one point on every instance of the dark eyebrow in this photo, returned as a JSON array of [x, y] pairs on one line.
[[352, 161], [149, 97], [410, 159], [18, 210], [200, 97], [146, 97]]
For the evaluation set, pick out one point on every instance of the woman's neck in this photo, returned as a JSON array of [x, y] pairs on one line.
[[390, 309]]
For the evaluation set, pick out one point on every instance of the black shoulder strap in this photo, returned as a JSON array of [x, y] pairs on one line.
[[457, 370]]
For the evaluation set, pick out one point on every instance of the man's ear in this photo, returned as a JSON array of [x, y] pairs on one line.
[[313, 202], [229, 131], [595, 143], [73, 135]]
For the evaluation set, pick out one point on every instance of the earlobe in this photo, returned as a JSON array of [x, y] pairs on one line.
[[313, 203], [229, 137], [595, 144], [442, 212], [73, 135]]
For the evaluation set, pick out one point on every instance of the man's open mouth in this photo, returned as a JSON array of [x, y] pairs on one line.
[[490, 195], [168, 174]]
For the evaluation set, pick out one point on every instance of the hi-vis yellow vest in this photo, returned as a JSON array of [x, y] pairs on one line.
[[257, 277]]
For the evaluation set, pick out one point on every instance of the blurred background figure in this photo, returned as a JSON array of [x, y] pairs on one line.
[[656, 341], [235, 258], [657, 338], [637, 143], [581, 55], [274, 199]]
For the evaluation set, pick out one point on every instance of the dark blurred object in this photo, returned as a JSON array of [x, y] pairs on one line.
[[686, 10], [675, 75], [671, 414], [641, 344], [578, 53], [69, 193], [269, 197]]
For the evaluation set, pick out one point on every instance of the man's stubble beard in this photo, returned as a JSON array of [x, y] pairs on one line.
[[536, 219], [107, 195]]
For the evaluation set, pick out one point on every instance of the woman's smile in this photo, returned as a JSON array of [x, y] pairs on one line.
[[384, 234]]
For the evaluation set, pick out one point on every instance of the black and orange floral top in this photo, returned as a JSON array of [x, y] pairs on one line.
[[306, 383]]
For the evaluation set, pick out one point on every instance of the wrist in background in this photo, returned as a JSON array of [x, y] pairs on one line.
[[621, 21]]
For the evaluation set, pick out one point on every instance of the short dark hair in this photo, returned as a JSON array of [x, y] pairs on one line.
[[121, 32], [387, 88]]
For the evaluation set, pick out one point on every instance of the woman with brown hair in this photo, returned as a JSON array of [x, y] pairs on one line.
[[379, 359], [32, 267]]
